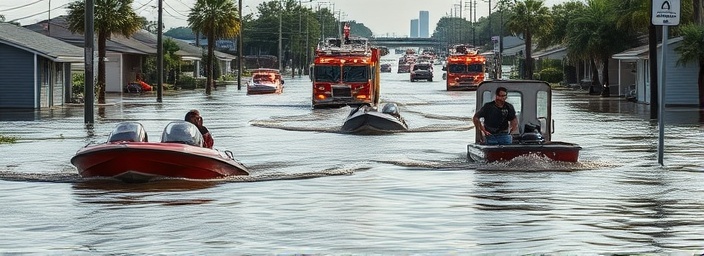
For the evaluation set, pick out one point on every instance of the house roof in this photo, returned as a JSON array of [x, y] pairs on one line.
[[513, 50], [186, 51], [641, 52], [51, 48], [58, 28], [141, 42], [552, 51]]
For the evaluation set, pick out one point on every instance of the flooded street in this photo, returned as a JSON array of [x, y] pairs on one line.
[[315, 190]]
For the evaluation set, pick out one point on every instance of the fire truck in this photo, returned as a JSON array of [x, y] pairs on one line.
[[464, 69], [345, 72]]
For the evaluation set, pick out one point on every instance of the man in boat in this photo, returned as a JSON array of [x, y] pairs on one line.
[[499, 119], [194, 117]]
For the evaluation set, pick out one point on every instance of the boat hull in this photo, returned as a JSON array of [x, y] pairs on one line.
[[372, 122], [264, 89], [555, 150], [142, 161]]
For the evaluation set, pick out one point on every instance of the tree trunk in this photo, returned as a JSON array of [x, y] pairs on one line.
[[529, 56], [595, 77], [211, 61], [653, 59], [697, 11], [605, 89], [700, 83], [102, 38]]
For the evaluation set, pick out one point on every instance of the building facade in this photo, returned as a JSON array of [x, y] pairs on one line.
[[424, 24], [414, 28]]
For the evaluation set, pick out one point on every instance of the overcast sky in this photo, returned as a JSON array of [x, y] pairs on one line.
[[383, 17]]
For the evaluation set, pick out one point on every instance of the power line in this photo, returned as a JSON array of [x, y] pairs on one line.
[[36, 14], [21, 6]]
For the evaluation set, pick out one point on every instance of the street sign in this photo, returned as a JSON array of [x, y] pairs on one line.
[[665, 12]]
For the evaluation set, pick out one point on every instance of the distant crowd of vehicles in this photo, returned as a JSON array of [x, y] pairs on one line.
[[346, 71]]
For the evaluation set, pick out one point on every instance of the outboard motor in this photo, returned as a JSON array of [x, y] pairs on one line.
[[531, 135], [129, 132], [182, 132], [391, 109]]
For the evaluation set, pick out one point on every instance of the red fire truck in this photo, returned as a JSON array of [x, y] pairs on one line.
[[345, 72], [464, 69]]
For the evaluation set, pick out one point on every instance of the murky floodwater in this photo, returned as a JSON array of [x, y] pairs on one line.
[[315, 190]]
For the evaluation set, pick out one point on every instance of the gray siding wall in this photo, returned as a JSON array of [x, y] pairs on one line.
[[17, 83], [681, 85]]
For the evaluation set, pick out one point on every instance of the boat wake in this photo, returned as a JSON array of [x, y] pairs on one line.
[[255, 176], [537, 163], [312, 123]]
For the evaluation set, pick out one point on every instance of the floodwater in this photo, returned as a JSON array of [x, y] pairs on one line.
[[313, 190]]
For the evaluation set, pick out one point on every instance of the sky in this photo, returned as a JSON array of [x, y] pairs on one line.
[[384, 17]]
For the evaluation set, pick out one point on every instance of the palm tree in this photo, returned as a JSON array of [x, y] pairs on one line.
[[111, 17], [215, 19], [692, 50], [591, 34], [530, 18]]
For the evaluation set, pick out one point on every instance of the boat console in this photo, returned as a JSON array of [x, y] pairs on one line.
[[182, 132], [531, 135], [128, 132]]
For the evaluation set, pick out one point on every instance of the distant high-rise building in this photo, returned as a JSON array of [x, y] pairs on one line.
[[423, 24], [414, 28]]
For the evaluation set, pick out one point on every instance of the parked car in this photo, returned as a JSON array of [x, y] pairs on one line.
[[386, 67]]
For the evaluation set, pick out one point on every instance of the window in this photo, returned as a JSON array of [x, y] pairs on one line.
[[327, 74], [355, 74]]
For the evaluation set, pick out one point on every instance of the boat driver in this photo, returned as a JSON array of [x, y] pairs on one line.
[[193, 116], [499, 120]]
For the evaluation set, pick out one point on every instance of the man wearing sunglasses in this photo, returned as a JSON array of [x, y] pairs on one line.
[[499, 119]]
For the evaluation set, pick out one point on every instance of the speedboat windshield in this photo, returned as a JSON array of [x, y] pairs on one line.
[[128, 131], [182, 132]]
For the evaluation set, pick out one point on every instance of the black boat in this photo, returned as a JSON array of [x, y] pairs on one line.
[[366, 119]]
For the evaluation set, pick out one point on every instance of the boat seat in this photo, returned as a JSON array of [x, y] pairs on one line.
[[125, 136], [128, 132]]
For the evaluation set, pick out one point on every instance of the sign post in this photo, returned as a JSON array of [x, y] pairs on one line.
[[664, 13]]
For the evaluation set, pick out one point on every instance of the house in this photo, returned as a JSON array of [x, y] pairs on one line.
[[680, 86], [124, 56], [36, 68]]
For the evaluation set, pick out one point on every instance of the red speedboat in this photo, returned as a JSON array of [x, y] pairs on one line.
[[128, 156], [532, 100]]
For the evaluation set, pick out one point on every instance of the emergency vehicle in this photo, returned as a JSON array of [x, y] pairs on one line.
[[464, 69], [345, 72]]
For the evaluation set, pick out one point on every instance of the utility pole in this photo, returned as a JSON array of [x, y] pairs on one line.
[[300, 33], [281, 57], [160, 55], [239, 48], [88, 56]]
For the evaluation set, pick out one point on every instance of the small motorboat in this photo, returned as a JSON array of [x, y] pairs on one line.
[[366, 119], [265, 81], [129, 156], [532, 100]]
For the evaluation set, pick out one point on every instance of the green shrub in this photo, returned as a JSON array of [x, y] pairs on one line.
[[551, 75], [227, 77], [189, 82], [77, 83]]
